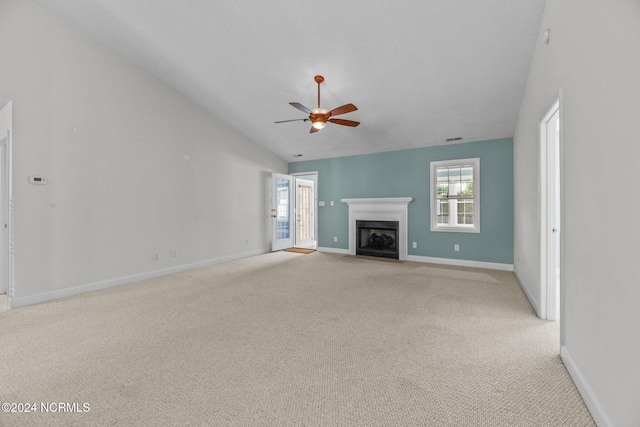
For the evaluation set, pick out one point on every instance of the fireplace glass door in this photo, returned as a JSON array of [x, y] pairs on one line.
[[377, 238]]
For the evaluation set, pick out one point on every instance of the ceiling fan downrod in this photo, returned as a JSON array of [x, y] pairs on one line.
[[319, 79]]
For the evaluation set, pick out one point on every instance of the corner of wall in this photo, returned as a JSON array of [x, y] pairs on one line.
[[532, 300], [589, 397]]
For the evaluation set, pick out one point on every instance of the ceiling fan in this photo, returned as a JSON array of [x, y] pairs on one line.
[[320, 116]]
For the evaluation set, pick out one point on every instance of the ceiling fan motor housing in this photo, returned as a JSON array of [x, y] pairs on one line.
[[318, 117]]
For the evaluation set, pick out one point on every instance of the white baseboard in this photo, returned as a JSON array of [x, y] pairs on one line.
[[76, 290], [589, 397], [434, 260], [333, 250], [461, 262], [534, 302]]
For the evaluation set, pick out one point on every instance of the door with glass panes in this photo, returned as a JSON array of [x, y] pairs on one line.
[[304, 213], [292, 212]]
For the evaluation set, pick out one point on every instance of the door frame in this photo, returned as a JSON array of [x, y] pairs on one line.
[[550, 209], [290, 242], [6, 215]]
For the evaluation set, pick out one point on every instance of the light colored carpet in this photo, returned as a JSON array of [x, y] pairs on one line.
[[288, 339]]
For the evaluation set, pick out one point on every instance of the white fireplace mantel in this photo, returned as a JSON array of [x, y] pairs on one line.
[[379, 209]]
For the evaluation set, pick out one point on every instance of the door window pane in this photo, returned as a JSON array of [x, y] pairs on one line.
[[304, 213], [282, 209]]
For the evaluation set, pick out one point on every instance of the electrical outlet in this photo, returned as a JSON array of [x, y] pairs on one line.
[[335, 238], [173, 253], [456, 247], [155, 257], [415, 245]]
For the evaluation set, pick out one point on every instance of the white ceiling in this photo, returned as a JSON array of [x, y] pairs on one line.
[[419, 71]]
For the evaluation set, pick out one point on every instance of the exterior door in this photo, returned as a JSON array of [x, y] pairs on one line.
[[305, 213], [281, 211]]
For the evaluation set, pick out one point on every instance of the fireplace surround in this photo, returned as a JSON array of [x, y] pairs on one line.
[[379, 209]]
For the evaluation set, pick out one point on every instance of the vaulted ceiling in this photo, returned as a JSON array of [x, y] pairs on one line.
[[419, 71]]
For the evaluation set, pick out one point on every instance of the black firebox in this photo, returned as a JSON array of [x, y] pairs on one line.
[[377, 238]]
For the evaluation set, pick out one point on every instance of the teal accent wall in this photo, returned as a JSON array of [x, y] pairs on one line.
[[405, 173]]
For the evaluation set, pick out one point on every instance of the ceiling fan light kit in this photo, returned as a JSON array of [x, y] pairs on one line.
[[318, 124], [317, 116], [320, 116]]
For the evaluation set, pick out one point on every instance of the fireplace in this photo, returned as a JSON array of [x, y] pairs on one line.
[[381, 210], [377, 238]]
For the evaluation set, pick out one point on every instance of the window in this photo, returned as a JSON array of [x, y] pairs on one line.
[[455, 195]]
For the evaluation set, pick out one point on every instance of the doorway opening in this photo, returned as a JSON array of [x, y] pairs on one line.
[[293, 210], [550, 213]]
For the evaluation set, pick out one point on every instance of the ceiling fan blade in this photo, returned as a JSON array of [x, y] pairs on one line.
[[313, 130], [344, 122], [300, 107], [347, 108], [292, 120]]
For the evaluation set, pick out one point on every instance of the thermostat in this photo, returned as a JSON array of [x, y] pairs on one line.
[[37, 180]]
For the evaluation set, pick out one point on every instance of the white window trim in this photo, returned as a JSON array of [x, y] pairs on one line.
[[475, 162]]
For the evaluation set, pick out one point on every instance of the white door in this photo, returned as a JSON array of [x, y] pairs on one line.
[[281, 211], [550, 213], [305, 213]]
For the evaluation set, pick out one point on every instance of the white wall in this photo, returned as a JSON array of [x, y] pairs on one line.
[[5, 114], [6, 121], [112, 141], [594, 57]]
